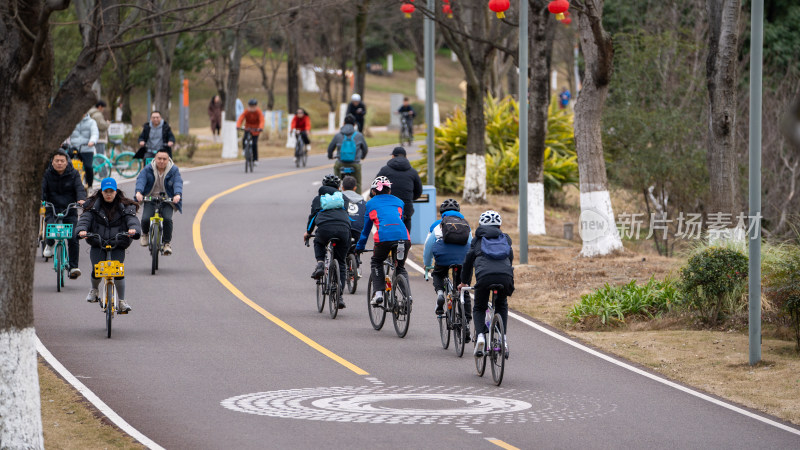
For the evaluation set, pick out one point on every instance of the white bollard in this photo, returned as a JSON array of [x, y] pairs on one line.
[[342, 113], [390, 64], [290, 140], [230, 140], [331, 122], [421, 89]]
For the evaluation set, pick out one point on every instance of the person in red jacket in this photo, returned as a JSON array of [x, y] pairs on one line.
[[253, 120], [302, 123]]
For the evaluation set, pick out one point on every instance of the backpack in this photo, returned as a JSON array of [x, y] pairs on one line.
[[455, 230], [348, 149], [496, 247], [331, 201]]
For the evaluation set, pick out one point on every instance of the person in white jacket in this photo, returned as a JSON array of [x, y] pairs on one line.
[[84, 137]]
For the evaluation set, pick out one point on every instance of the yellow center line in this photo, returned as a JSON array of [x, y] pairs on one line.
[[198, 245], [502, 444]]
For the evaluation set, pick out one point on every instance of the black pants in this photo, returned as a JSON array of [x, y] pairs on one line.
[[321, 238], [360, 124], [99, 254], [439, 273], [255, 147], [482, 294], [88, 170], [380, 253], [73, 246], [304, 137], [408, 211], [166, 212]]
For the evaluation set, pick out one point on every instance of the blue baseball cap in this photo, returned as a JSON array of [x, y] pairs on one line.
[[108, 183]]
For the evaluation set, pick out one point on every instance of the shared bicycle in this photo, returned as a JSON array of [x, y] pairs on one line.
[[328, 284], [454, 318], [60, 232], [496, 349], [109, 270], [396, 298], [123, 163]]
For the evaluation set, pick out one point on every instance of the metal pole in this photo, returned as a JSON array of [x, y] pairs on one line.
[[430, 94], [754, 272], [523, 131]]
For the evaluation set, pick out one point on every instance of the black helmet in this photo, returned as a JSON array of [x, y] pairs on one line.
[[449, 205], [331, 180], [252, 102]]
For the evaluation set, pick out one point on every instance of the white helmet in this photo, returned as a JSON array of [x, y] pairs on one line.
[[355, 98], [380, 182], [490, 218]]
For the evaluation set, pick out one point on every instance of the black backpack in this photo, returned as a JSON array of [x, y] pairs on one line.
[[455, 230]]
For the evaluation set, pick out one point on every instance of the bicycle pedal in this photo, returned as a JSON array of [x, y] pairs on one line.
[[122, 312]]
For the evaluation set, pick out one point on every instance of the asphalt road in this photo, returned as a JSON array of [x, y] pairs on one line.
[[201, 363]]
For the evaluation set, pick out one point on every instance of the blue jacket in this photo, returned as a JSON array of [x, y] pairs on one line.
[[173, 183], [444, 253], [386, 212]]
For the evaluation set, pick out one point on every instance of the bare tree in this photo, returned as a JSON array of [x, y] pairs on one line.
[[599, 231], [362, 15], [235, 63]]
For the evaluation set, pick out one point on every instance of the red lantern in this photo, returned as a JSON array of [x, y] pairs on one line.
[[447, 10], [499, 7], [558, 7], [407, 9], [567, 19]]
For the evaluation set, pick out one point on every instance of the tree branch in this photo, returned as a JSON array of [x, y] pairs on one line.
[[27, 72]]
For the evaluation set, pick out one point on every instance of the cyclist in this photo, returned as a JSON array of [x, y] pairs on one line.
[[156, 134], [491, 256], [61, 186], [386, 212], [329, 217], [405, 181], [161, 175], [358, 110], [448, 242], [253, 119], [355, 209], [407, 114], [302, 123], [84, 137], [107, 213], [352, 149]]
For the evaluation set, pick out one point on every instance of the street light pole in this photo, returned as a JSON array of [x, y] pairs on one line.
[[523, 131], [429, 28], [754, 270]]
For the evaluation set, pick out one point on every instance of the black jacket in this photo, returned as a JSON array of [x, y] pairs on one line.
[[330, 218], [483, 265], [167, 136], [95, 220], [406, 184], [353, 109], [62, 189]]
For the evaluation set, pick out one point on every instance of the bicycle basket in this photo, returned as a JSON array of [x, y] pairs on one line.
[[77, 164], [109, 269], [59, 231]]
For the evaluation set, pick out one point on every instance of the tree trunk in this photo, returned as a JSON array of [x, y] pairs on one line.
[[162, 89], [542, 29], [721, 78], [475, 173], [362, 10], [598, 227], [293, 83], [234, 67]]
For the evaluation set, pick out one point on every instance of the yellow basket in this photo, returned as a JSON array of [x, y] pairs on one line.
[[109, 269], [77, 164]]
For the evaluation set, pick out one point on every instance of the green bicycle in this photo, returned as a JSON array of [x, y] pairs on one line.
[[60, 232], [123, 163]]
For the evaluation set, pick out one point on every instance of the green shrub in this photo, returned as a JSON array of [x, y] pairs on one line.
[[714, 280], [611, 304], [185, 145], [502, 150], [782, 286]]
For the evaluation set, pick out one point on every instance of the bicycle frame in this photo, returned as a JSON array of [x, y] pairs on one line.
[[60, 232]]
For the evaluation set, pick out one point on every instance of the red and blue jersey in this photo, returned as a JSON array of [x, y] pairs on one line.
[[386, 213]]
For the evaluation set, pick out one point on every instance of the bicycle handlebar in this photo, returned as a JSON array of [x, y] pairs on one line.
[[65, 212], [158, 199], [105, 242]]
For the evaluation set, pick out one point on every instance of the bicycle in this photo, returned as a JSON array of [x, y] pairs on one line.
[[155, 244], [124, 163], [396, 299], [328, 283], [42, 241], [108, 270], [496, 347], [247, 149], [300, 150], [353, 269], [60, 232], [406, 128], [454, 318]]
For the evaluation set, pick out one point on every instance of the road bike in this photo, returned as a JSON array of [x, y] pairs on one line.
[[109, 270], [300, 150], [328, 284], [60, 232], [247, 149], [123, 163], [496, 350], [396, 298], [406, 128], [155, 243], [454, 318], [353, 269]]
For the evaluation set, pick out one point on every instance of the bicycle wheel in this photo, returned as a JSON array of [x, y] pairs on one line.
[[127, 166], [298, 152], [352, 273], [305, 156], [320, 295], [444, 331], [101, 166], [333, 289], [377, 314], [155, 244], [497, 345], [110, 306], [459, 328], [248, 159], [58, 263], [401, 314]]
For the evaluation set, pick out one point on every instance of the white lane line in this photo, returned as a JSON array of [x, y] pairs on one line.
[[94, 399], [638, 371]]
